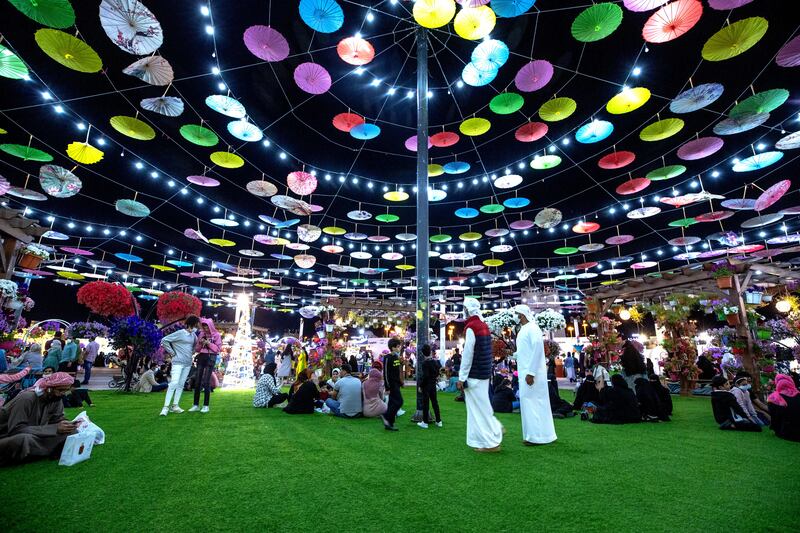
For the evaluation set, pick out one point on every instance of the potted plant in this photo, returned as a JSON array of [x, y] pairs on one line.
[[724, 275], [731, 315], [753, 297], [32, 255]]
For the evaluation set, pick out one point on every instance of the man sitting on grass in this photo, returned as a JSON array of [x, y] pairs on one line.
[[77, 396], [727, 411], [345, 400]]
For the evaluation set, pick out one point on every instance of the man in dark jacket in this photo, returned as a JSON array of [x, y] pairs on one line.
[[727, 411], [393, 382], [427, 387]]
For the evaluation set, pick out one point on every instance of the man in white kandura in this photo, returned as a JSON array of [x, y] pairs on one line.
[[534, 398], [484, 431]]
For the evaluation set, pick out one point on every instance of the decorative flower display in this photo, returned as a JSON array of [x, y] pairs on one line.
[[8, 288], [550, 320], [106, 299], [37, 251], [176, 305], [87, 330], [499, 321], [142, 335]]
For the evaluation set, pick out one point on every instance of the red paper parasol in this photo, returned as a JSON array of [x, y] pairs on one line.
[[619, 239], [203, 181], [714, 216], [312, 78], [347, 121], [301, 183], [683, 241], [679, 201], [746, 248], [533, 76], [532, 131], [633, 186], [616, 160], [355, 51], [700, 148], [789, 55], [266, 43], [444, 139], [587, 265], [672, 21], [585, 227], [772, 195]]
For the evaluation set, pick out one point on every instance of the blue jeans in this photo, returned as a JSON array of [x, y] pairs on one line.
[[87, 371], [335, 405], [515, 405], [160, 387]]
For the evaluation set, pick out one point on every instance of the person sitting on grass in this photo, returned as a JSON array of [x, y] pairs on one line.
[[345, 400], [741, 390], [784, 408], [373, 391], [617, 404], [559, 407], [77, 396], [504, 400], [649, 402], [302, 395], [268, 388], [32, 425], [727, 411], [587, 394], [664, 396], [148, 382], [334, 378], [32, 357]]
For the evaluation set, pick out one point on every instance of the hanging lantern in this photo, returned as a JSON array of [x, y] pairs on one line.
[[783, 306]]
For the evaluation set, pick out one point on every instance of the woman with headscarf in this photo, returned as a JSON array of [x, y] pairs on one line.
[[586, 394], [206, 347], [285, 368], [618, 403], [633, 366], [53, 355], [373, 392], [784, 409], [664, 396], [503, 399], [303, 395], [707, 370], [268, 388]]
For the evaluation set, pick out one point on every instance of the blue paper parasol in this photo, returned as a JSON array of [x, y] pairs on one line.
[[476, 77], [511, 8], [758, 161], [456, 167], [466, 212], [365, 132], [490, 55], [516, 203], [741, 123], [696, 98], [593, 132], [325, 16]]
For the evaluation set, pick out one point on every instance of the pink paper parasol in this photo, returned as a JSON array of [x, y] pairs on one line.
[[672, 21], [312, 78], [76, 251], [746, 248], [586, 227], [521, 224], [347, 121], [411, 143], [714, 216], [301, 183], [633, 186], [683, 241], [700, 148], [444, 139], [266, 43], [355, 51], [203, 181], [772, 195], [616, 160], [534, 75], [194, 235], [789, 55], [532, 131], [643, 5], [619, 239]]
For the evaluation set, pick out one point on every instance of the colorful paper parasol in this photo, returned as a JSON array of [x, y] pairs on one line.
[[616, 160], [473, 127], [301, 183], [772, 195], [466, 212], [230, 107], [474, 23], [724, 5], [530, 132], [53, 13], [511, 8], [227, 160], [355, 51], [324, 16], [293, 205], [628, 100], [444, 139], [154, 70], [789, 54], [26, 153], [203, 181], [26, 194], [435, 170], [11, 66], [131, 26], [84, 153], [700, 148], [508, 181], [643, 212], [365, 132], [789, 142], [661, 129], [714, 216], [475, 77], [132, 208], [672, 21], [534, 75], [547, 218], [633, 186], [305, 260], [245, 131], [696, 98], [68, 50], [763, 102], [308, 232], [735, 39], [739, 204], [757, 162], [490, 55], [59, 182], [129, 257], [586, 227], [593, 132], [643, 5], [266, 43], [763, 220], [169, 106], [596, 22], [199, 135], [4, 186], [411, 143], [543, 162], [740, 124], [387, 217], [619, 239], [557, 109], [434, 13], [506, 103], [347, 121], [133, 127]]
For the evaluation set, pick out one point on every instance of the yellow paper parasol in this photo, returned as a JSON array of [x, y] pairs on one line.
[[334, 230], [227, 160], [435, 170], [396, 196], [224, 243], [434, 13], [493, 262], [404, 267], [628, 100], [133, 127], [84, 153], [735, 39], [662, 129], [473, 127], [475, 22], [557, 109], [68, 50]]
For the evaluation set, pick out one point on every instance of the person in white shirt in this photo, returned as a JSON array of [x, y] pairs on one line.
[[180, 346], [534, 397]]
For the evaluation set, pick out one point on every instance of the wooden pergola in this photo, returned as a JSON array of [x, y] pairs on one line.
[[15, 228]]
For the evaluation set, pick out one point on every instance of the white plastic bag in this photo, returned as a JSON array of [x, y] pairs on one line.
[[88, 427], [77, 448]]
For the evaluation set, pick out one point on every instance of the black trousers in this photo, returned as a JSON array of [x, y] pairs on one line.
[[429, 398], [741, 425], [394, 405], [202, 379], [277, 398]]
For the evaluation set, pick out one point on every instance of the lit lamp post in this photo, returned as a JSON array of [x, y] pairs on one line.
[[585, 326], [570, 328]]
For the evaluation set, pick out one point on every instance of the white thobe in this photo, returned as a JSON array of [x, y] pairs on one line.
[[483, 429], [534, 401]]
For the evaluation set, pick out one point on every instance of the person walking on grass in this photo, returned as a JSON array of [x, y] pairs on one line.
[[427, 387], [207, 347], [180, 346], [394, 382]]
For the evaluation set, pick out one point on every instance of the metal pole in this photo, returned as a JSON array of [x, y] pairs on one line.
[[423, 314]]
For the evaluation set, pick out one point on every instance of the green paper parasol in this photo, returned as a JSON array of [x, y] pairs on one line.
[[661, 129], [11, 66], [544, 162], [597, 22], [387, 217], [26, 152], [53, 13], [68, 50], [665, 173], [763, 102], [506, 103], [557, 109], [442, 237], [735, 39], [199, 135], [565, 250], [492, 208], [683, 223]]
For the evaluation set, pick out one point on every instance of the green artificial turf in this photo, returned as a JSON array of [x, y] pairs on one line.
[[243, 469]]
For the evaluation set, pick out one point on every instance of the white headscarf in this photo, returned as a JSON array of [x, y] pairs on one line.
[[525, 311], [473, 307]]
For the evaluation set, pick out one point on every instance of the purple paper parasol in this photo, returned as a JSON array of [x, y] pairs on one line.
[[312, 78], [411, 143], [266, 43], [700, 148], [723, 5], [534, 75], [203, 181], [789, 55]]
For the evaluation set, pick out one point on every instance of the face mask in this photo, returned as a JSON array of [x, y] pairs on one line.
[[745, 387]]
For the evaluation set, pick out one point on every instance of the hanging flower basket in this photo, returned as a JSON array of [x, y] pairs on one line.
[[329, 328], [767, 298], [725, 282], [753, 298], [764, 334], [29, 261], [733, 319]]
